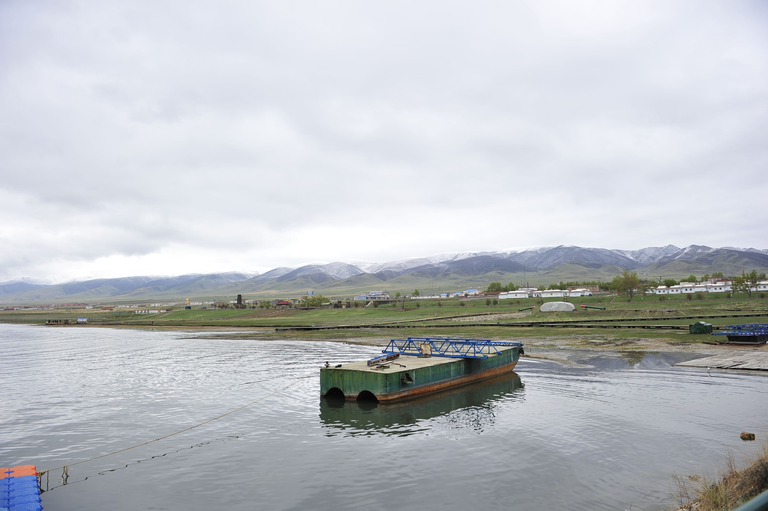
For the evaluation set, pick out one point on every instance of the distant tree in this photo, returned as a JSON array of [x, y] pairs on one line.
[[718, 274], [705, 277], [495, 301], [397, 295], [316, 300], [494, 287], [416, 292], [487, 302], [646, 286], [670, 282], [510, 287], [747, 282], [418, 304], [626, 283], [691, 278]]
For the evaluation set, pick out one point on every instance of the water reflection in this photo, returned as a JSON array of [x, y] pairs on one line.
[[470, 406]]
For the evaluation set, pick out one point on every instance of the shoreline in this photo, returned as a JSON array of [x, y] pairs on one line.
[[553, 348]]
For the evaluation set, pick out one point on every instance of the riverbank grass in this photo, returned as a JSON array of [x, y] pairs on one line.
[[731, 489]]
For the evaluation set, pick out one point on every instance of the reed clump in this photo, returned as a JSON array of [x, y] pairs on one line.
[[732, 488]]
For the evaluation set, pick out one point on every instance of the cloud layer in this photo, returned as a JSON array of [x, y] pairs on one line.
[[167, 137]]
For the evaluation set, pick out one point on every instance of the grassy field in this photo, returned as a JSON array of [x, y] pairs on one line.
[[444, 317]]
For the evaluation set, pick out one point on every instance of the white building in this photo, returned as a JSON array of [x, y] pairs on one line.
[[579, 292], [682, 288], [661, 290], [513, 294], [552, 293]]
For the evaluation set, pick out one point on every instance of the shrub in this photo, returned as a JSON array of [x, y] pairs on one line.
[[495, 301], [375, 305], [699, 296], [439, 304], [662, 298], [462, 304], [762, 296], [418, 304], [487, 302], [689, 297]]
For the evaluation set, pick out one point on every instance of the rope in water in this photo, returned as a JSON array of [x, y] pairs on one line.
[[66, 467]]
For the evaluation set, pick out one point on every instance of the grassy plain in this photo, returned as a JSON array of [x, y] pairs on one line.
[[616, 326]]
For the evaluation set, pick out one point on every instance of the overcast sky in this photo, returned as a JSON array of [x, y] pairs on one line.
[[169, 137]]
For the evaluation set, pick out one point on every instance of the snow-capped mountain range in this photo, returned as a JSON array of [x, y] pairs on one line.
[[668, 260]]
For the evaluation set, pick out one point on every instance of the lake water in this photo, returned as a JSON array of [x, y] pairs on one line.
[[607, 436]]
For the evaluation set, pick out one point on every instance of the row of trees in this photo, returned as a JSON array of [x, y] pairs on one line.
[[496, 287], [630, 284], [691, 278]]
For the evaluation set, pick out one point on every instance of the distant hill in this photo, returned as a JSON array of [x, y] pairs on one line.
[[444, 272]]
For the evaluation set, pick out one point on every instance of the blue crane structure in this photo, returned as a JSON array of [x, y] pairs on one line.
[[442, 347]]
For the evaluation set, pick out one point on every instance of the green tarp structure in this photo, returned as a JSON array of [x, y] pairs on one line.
[[700, 328]]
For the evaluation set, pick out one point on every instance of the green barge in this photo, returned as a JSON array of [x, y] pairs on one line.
[[428, 365]]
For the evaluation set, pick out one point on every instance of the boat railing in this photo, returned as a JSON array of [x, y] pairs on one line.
[[442, 347]]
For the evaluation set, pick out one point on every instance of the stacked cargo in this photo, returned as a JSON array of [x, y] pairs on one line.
[[19, 489]]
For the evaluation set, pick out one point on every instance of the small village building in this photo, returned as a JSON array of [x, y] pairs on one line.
[[682, 288], [472, 292], [551, 293], [82, 321], [661, 290], [579, 292], [592, 288], [514, 294]]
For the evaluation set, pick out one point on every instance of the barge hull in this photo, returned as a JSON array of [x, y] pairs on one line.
[[410, 376], [436, 387]]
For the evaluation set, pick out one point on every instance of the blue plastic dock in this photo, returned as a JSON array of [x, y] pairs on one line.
[[19, 489]]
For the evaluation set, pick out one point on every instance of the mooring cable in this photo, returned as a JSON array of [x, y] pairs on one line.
[[66, 467]]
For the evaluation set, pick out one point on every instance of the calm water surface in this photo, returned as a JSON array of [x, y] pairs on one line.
[[606, 436]]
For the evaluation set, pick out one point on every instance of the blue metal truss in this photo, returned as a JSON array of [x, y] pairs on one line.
[[453, 348]]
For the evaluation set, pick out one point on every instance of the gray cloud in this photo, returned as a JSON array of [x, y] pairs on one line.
[[240, 132]]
